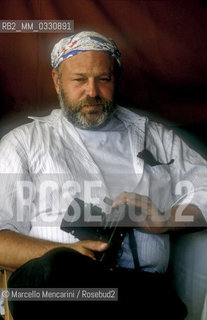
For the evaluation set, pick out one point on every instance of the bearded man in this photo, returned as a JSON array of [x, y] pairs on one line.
[[91, 149]]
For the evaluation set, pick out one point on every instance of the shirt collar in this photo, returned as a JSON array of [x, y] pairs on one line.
[[124, 114], [129, 118], [51, 119]]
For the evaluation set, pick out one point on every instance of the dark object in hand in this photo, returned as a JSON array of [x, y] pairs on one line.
[[94, 224]]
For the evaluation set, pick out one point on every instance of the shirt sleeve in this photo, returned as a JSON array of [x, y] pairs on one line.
[[15, 185], [187, 168]]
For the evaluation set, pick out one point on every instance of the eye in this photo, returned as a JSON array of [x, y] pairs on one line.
[[79, 79], [105, 79]]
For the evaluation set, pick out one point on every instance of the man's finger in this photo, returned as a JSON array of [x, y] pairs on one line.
[[95, 245], [128, 198]]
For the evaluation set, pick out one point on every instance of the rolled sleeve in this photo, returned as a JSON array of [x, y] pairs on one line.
[[14, 215]]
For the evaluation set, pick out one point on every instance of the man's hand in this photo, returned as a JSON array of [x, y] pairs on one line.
[[16, 249], [184, 218], [149, 218], [89, 247]]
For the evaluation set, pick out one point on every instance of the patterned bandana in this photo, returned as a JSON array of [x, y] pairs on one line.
[[81, 42]]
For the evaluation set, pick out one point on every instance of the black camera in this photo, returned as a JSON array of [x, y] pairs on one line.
[[88, 222]]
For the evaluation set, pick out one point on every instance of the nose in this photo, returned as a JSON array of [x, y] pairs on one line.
[[92, 88]]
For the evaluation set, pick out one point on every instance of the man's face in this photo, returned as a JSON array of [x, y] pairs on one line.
[[85, 87]]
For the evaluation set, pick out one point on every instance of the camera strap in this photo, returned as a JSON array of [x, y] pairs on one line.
[[133, 247]]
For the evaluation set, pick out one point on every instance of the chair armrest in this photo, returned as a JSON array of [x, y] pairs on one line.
[[4, 276]]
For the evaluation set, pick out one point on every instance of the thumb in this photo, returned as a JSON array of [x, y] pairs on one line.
[[95, 245]]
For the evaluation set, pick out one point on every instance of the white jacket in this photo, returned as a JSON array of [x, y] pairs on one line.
[[48, 152]]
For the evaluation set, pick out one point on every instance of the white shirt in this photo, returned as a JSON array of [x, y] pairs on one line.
[[110, 149], [50, 153]]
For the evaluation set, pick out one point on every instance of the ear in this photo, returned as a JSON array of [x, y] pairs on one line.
[[56, 80]]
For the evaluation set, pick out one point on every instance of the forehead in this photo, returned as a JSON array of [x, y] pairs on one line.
[[89, 61]]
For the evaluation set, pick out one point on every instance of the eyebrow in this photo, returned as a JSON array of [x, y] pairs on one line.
[[85, 74]]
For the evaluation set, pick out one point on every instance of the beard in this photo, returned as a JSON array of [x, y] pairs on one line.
[[79, 115]]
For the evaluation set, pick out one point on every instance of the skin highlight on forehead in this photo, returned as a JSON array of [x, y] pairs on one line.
[[89, 63]]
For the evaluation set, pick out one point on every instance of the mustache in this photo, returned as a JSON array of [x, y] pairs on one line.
[[89, 101]]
